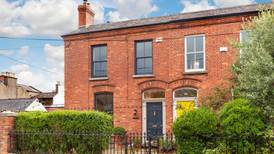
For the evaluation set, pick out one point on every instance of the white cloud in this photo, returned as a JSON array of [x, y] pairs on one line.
[[131, 9], [192, 6], [54, 55], [115, 16], [229, 3], [6, 52], [23, 51], [189, 6], [19, 68], [44, 80], [42, 17], [99, 11]]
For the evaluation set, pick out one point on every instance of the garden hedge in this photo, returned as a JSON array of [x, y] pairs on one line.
[[63, 131]]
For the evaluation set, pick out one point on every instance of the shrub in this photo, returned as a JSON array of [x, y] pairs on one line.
[[242, 123], [63, 131], [192, 129], [239, 119], [119, 131]]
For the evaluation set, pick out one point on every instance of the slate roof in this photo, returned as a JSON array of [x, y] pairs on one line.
[[15, 105], [168, 19], [29, 88], [46, 95]]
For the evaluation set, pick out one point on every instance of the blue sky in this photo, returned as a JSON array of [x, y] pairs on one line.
[[40, 63]]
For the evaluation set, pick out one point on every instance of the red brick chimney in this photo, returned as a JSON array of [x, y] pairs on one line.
[[86, 14]]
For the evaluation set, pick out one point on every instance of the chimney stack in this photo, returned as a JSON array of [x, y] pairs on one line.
[[8, 78], [86, 14]]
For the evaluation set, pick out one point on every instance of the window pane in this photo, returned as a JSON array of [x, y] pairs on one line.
[[96, 54], [190, 44], [185, 93], [148, 62], [104, 102], [103, 53], [100, 69], [140, 49], [190, 61], [148, 49], [199, 43], [140, 71], [154, 93], [200, 60], [140, 63], [244, 36]]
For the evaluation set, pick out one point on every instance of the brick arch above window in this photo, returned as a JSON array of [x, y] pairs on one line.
[[103, 88], [185, 82], [153, 84]]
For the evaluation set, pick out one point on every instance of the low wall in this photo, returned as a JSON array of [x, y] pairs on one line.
[[7, 124]]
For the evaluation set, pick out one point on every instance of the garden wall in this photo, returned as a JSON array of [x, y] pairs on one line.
[[7, 124]]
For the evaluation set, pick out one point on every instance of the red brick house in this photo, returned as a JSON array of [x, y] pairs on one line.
[[147, 71]]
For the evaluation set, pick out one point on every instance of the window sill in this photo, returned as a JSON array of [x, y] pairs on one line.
[[144, 76], [195, 73], [98, 79]]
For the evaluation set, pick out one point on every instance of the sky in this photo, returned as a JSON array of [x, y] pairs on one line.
[[40, 63]]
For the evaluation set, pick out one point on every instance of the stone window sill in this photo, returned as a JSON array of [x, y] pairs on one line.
[[144, 76], [98, 79]]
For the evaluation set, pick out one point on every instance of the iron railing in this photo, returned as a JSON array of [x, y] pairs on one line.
[[131, 143]]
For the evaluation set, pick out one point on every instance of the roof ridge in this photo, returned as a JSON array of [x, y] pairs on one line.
[[210, 13], [176, 14]]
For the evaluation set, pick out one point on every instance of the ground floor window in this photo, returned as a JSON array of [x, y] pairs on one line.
[[185, 99], [104, 102]]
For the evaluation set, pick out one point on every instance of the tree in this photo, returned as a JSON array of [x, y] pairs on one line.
[[254, 71]]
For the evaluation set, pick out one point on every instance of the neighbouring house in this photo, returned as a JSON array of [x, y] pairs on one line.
[[10, 89], [20, 105], [146, 72]]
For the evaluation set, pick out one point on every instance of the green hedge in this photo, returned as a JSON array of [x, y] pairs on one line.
[[239, 119], [192, 130], [63, 131]]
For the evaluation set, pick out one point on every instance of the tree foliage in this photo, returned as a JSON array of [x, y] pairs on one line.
[[254, 72]]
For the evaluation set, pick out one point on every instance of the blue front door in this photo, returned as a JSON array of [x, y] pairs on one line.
[[154, 119]]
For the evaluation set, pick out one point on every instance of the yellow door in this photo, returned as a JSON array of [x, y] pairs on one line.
[[184, 106]]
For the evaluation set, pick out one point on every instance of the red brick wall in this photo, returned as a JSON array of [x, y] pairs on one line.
[[168, 65], [7, 123]]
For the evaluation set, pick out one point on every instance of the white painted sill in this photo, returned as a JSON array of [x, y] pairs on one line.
[[98, 79], [144, 76]]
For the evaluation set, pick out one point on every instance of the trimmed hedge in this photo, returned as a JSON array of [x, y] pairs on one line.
[[192, 129], [62, 131]]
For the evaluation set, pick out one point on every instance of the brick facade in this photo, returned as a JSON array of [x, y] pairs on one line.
[[168, 65]]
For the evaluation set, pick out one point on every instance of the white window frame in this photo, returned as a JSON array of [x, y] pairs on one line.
[[241, 38], [175, 99], [195, 70]]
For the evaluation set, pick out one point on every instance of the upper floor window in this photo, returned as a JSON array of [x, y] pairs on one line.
[[143, 57], [104, 102], [244, 35], [195, 53], [99, 61]]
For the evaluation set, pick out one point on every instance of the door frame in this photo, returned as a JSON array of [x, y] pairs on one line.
[[195, 99], [144, 114]]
